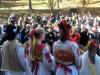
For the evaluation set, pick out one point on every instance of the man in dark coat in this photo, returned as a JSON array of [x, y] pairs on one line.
[[50, 37], [95, 35], [84, 37]]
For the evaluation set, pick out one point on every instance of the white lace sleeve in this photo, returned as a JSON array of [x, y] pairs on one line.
[[48, 59], [54, 47], [76, 52], [21, 57]]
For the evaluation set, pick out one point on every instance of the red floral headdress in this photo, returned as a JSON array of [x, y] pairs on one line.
[[31, 34], [66, 26]]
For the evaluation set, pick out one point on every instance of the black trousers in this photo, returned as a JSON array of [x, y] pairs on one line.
[[2, 73], [53, 73], [98, 51]]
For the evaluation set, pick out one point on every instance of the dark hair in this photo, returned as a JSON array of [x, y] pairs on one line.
[[10, 37], [11, 32], [65, 34]]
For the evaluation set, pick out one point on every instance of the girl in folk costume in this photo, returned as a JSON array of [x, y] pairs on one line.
[[90, 60], [13, 60], [66, 53], [41, 58]]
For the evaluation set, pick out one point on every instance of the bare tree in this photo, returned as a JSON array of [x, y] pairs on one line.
[[0, 1], [60, 0], [58, 3], [51, 4], [30, 4], [83, 2], [88, 1], [95, 2]]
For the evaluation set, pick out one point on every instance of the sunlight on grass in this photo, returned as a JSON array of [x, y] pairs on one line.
[[9, 6], [43, 4]]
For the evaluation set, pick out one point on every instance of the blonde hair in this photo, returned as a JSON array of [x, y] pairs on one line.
[[37, 35]]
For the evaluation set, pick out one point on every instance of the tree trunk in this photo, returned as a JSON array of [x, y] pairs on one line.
[[58, 3], [0, 1], [30, 4], [51, 4], [83, 2], [88, 1], [60, 0]]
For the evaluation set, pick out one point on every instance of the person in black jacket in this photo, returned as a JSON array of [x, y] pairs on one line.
[[95, 35], [50, 37], [23, 36], [84, 37]]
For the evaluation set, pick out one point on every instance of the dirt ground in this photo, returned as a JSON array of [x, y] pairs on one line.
[[5, 13]]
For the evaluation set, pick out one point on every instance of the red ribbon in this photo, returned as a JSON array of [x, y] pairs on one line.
[[47, 55], [66, 69], [31, 34], [64, 23]]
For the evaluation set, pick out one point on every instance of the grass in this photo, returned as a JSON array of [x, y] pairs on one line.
[[41, 6], [8, 4], [4, 14]]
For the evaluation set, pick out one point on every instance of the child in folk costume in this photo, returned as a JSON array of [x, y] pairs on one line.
[[41, 58], [13, 59], [90, 60], [66, 52]]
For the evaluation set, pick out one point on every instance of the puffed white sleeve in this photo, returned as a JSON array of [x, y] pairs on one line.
[[21, 57], [48, 59], [54, 47], [76, 52]]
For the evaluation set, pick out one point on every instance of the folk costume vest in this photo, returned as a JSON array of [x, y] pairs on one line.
[[65, 56], [10, 60]]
